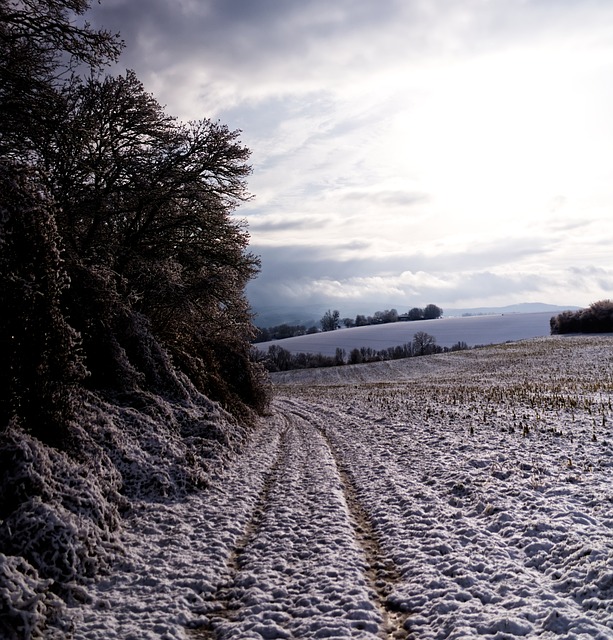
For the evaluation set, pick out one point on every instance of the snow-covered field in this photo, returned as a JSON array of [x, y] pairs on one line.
[[473, 330], [459, 495]]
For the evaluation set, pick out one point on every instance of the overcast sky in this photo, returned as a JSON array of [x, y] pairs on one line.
[[458, 152]]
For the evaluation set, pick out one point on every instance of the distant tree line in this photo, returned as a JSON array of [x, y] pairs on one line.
[[279, 359], [279, 332], [331, 320], [597, 318], [429, 312]]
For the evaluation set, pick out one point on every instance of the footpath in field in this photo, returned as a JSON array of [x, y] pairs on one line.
[[465, 496], [278, 549]]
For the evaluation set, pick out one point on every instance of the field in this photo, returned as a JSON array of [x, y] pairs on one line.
[[474, 330], [459, 495]]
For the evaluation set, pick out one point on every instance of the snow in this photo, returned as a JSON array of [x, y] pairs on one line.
[[474, 330], [459, 495], [61, 520]]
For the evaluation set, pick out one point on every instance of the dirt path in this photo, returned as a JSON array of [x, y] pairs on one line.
[[307, 563]]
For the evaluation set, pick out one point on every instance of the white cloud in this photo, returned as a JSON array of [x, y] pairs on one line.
[[429, 130]]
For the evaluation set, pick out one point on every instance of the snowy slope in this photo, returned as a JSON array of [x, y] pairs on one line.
[[466, 495], [477, 330]]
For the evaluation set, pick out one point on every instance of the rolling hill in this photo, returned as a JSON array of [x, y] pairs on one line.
[[473, 330]]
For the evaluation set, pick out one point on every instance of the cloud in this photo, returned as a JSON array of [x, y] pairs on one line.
[[275, 224], [394, 198], [310, 274], [449, 151], [591, 277], [268, 41]]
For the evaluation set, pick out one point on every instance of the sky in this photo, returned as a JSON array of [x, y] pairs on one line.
[[404, 152]]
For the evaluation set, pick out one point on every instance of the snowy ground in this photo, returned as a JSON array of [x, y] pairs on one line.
[[452, 496], [474, 330]]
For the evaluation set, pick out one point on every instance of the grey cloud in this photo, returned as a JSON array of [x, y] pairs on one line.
[[264, 35], [356, 245], [241, 32], [586, 277], [398, 198], [262, 226], [288, 263], [448, 290], [571, 225]]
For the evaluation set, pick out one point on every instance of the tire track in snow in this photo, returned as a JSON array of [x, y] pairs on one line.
[[222, 608], [380, 571], [451, 540], [254, 525], [299, 568]]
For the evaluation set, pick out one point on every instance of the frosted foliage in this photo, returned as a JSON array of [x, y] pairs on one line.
[[60, 516], [26, 604], [162, 447], [59, 520]]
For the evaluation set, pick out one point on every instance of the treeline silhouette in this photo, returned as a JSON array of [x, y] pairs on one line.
[[597, 318], [331, 320], [276, 358]]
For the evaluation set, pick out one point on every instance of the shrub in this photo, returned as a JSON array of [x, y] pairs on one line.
[[597, 318]]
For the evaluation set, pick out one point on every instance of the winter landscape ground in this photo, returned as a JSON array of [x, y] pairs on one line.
[[458, 495], [473, 330]]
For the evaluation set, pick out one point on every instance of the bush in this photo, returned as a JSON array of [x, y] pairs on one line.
[[597, 318]]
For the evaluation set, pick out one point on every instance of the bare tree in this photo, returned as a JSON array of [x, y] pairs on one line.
[[423, 343]]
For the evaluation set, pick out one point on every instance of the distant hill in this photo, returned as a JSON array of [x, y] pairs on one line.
[[523, 307], [310, 315], [474, 330]]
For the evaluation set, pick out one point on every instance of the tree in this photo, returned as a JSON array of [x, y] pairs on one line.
[[390, 315], [330, 321], [431, 312], [42, 363], [142, 206], [146, 206], [121, 268], [423, 343], [349, 322], [40, 44], [416, 314], [280, 359]]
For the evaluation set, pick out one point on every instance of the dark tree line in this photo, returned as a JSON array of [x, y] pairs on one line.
[[331, 321], [430, 312], [121, 261], [597, 318], [279, 359], [282, 331]]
